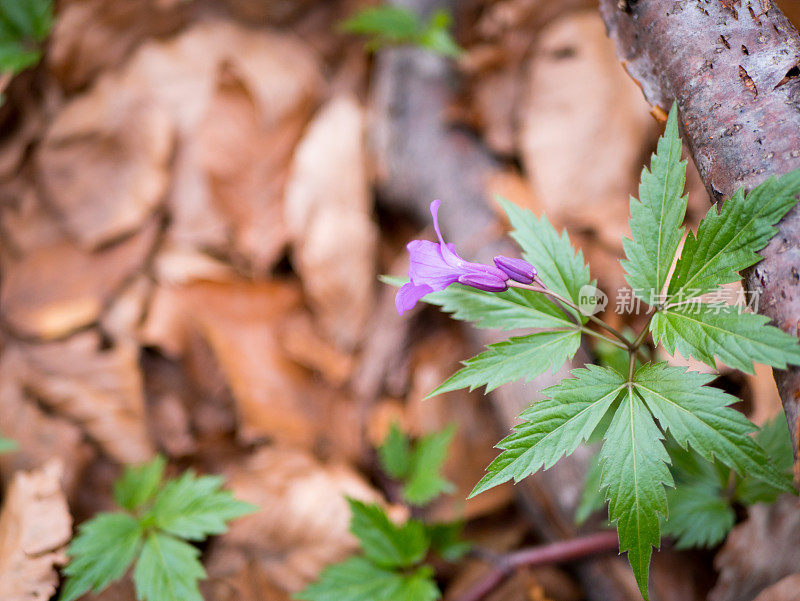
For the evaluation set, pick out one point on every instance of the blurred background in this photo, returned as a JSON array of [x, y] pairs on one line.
[[196, 200]]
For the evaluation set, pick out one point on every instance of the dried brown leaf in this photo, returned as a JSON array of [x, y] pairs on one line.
[[104, 161], [35, 526], [39, 435], [99, 389], [240, 322], [90, 36], [328, 206], [787, 589], [239, 98], [583, 126], [58, 288], [759, 552], [303, 521]]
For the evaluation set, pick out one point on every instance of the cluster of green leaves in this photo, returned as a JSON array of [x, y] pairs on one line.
[[418, 465], [393, 25], [393, 566], [702, 506], [24, 26], [158, 520], [636, 414]]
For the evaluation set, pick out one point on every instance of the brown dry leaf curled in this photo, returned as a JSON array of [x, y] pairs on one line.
[[39, 436], [759, 551], [240, 322], [99, 389], [584, 125], [35, 526], [328, 207], [104, 161], [239, 99], [58, 288], [303, 522]]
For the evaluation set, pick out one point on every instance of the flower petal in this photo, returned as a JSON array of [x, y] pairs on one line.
[[448, 250], [484, 281], [408, 296], [427, 266]]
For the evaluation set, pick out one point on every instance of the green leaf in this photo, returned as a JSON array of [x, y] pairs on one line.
[[101, 553], [23, 26], [634, 474], [383, 542], [358, 579], [7, 445], [395, 453], [425, 481], [775, 440], [510, 310], [699, 415], [553, 428], [657, 216], [168, 570], [727, 240], [446, 540], [702, 330], [560, 267], [699, 516], [194, 507], [592, 498], [139, 484], [513, 359], [390, 24]]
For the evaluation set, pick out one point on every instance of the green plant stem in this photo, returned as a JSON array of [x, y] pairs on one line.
[[600, 336], [637, 344], [569, 303]]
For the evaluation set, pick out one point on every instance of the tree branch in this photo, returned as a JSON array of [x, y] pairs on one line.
[[562, 551]]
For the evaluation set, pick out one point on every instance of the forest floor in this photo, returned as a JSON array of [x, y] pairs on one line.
[[194, 212]]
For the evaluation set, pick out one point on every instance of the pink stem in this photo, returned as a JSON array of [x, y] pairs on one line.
[[562, 551]]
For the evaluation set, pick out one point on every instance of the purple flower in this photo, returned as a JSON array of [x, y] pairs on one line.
[[436, 266], [517, 269]]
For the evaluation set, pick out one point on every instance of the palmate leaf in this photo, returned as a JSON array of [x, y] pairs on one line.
[[446, 540], [139, 483], [702, 331], [700, 511], [395, 453], [514, 359], [425, 481], [700, 416], [554, 427], [358, 579], [699, 516], [23, 26], [634, 463], [657, 216], [727, 240], [509, 310], [193, 507], [101, 553], [775, 440], [168, 569], [383, 542], [560, 267]]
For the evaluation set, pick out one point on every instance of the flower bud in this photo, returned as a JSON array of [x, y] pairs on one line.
[[484, 281], [517, 269]]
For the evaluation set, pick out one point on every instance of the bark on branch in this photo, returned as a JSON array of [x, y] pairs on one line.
[[733, 66]]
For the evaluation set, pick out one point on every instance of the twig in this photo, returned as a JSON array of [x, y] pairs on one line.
[[562, 551]]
